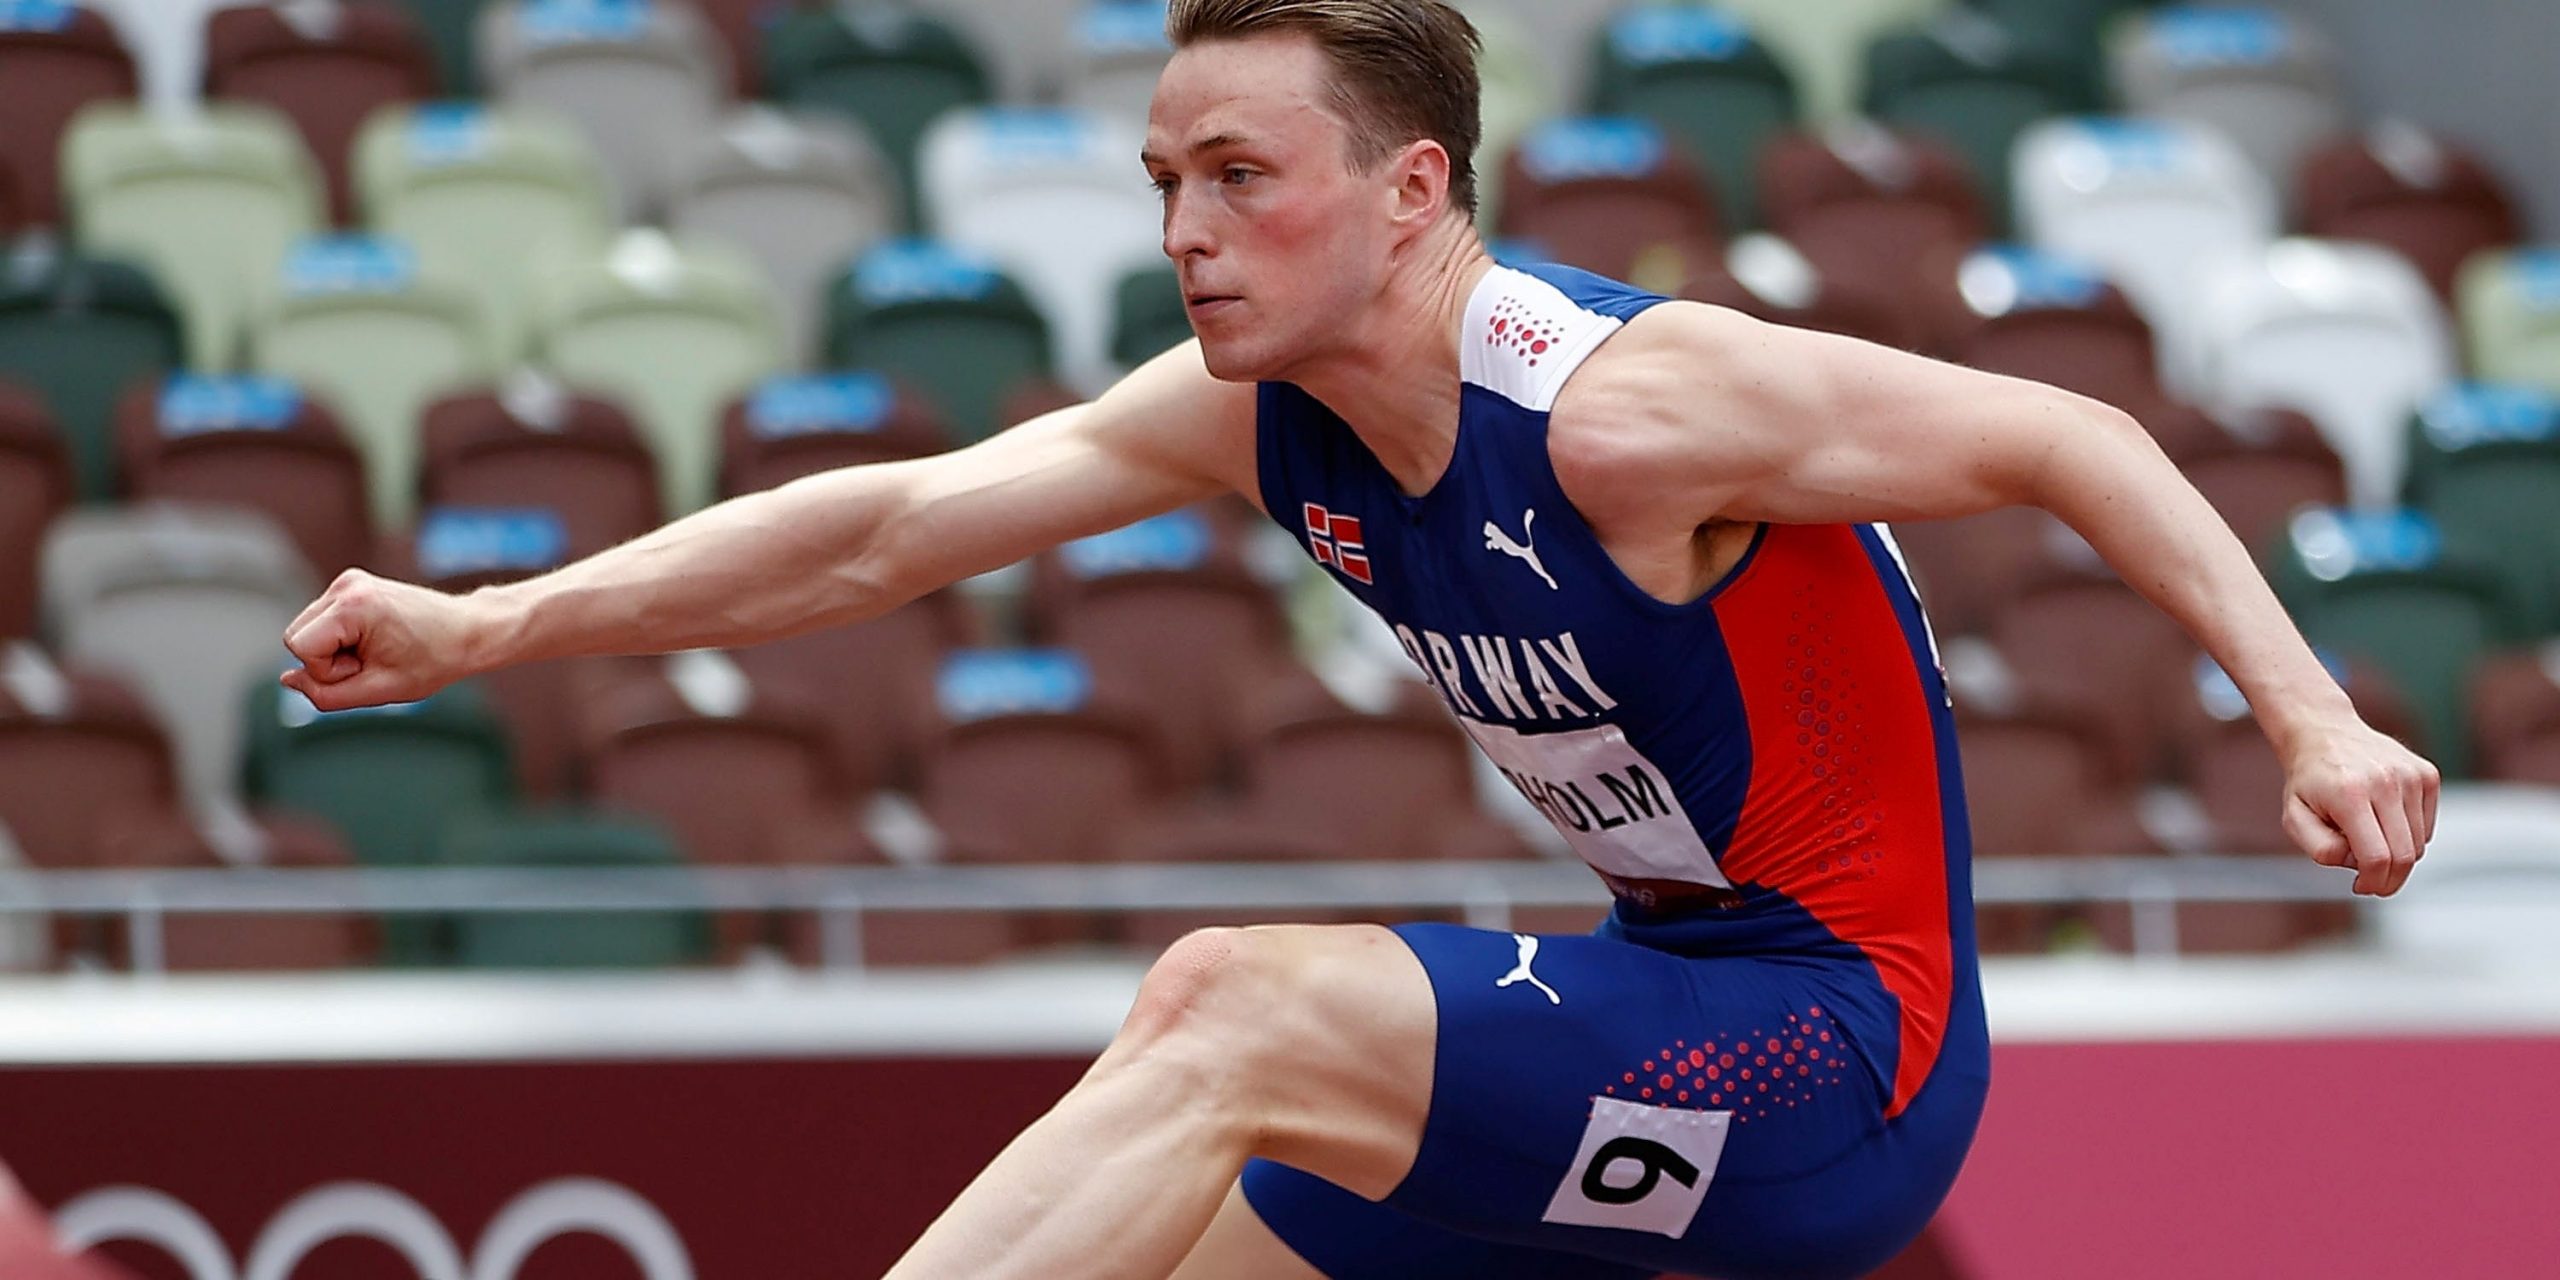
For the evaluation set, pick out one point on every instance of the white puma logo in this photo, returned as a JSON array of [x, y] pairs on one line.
[[1528, 952], [1495, 539]]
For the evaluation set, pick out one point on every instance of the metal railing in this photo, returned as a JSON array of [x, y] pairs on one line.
[[1485, 893]]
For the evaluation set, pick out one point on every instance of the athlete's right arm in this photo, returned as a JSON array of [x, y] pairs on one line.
[[827, 549]]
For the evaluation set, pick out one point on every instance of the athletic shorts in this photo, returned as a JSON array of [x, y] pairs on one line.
[[1608, 1111]]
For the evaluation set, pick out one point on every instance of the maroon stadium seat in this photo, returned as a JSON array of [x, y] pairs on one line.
[[51, 74], [14, 214], [290, 459], [1967, 568], [2103, 350], [2399, 187], [76, 747], [578, 455], [1397, 784], [1803, 294], [1039, 786], [35, 486], [792, 426], [2076, 633], [228, 941], [2262, 468], [328, 66], [1892, 211], [2515, 714], [1604, 205]]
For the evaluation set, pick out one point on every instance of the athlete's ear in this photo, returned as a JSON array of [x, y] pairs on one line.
[[1421, 173]]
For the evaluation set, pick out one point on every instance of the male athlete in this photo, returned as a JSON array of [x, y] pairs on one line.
[[1629, 541]]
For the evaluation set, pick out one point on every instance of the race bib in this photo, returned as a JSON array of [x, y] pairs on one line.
[[1641, 1168], [1614, 807]]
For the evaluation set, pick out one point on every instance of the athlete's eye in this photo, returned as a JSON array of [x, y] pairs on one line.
[[1236, 175], [1164, 186]]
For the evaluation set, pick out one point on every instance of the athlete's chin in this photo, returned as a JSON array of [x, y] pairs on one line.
[[1232, 359]]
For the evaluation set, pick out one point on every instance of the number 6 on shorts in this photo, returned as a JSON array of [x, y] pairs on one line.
[[1640, 1168]]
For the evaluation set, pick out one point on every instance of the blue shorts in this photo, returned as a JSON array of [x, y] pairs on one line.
[[1603, 1110]]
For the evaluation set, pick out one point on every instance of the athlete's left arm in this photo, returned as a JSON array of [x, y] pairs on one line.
[[1811, 428]]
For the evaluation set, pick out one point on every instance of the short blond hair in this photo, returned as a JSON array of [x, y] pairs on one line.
[[1402, 69]]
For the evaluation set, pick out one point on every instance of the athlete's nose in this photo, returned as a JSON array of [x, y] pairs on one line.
[[1186, 231]]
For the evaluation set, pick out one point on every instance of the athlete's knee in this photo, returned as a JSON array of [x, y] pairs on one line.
[[1207, 984]]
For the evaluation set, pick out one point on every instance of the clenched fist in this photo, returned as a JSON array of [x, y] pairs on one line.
[[2355, 798], [368, 641]]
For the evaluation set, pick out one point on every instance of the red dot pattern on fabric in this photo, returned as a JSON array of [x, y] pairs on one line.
[[1680, 1073], [1526, 335]]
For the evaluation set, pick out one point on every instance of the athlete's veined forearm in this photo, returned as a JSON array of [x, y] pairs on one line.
[[757, 567], [2114, 486]]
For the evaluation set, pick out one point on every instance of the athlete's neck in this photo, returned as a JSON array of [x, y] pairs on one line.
[[1394, 376]]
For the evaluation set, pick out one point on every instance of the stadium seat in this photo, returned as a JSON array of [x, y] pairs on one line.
[[56, 58], [2485, 462], [1114, 55], [740, 25], [392, 779], [1824, 47], [1698, 74], [888, 68], [253, 442], [2267, 80], [948, 323], [77, 748], [2385, 588], [1599, 192], [325, 65], [15, 217], [1033, 766], [78, 331], [35, 486], [2074, 633], [1148, 316], [187, 603], [2049, 318], [802, 195], [1046, 194], [2510, 305], [487, 197], [210, 203], [448, 26], [2515, 715], [1894, 211], [792, 425], [1769, 278], [2489, 884], [2152, 204], [568, 840], [2347, 333], [2258, 470], [632, 76], [1387, 785], [2075, 28], [1173, 626], [530, 443], [358, 322], [26, 943], [1967, 568], [238, 941], [1976, 85], [2401, 187], [2042, 776], [672, 329]]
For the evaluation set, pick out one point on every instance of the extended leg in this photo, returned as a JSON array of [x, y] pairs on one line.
[[1311, 1045]]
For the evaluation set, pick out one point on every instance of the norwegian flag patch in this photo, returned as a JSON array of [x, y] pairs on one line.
[[1334, 540]]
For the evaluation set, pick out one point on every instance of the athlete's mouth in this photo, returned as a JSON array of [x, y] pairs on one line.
[[1205, 301]]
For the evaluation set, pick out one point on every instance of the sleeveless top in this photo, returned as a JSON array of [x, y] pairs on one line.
[[1769, 769]]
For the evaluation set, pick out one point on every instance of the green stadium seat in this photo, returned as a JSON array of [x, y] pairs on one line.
[[571, 940], [1148, 317], [357, 322], [209, 202], [1976, 85], [676, 330], [391, 780], [1699, 74], [448, 25], [487, 196], [2484, 460], [2383, 587], [2075, 30], [78, 331], [948, 324], [893, 71], [2510, 305], [1823, 45]]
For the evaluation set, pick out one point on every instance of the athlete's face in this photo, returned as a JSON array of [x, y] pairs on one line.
[[1278, 243]]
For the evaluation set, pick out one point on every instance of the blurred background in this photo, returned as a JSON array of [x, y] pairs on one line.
[[739, 963]]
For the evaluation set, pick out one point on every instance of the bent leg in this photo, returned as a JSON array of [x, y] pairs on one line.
[[1305, 1043]]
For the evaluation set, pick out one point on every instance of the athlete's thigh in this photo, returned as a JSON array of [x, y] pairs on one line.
[[1607, 1100]]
